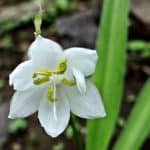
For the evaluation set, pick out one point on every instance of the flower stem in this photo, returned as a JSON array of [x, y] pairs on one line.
[[76, 134]]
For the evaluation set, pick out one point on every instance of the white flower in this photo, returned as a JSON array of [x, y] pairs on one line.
[[53, 83]]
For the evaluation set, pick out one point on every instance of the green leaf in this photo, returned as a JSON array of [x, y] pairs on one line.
[[137, 127], [109, 76]]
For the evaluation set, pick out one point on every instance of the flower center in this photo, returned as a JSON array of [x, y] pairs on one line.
[[54, 77]]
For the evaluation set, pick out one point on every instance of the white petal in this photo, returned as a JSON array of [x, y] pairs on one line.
[[80, 79], [82, 59], [25, 103], [21, 77], [45, 53], [88, 105], [47, 118]]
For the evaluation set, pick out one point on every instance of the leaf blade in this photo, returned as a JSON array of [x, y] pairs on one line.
[[110, 71], [138, 125]]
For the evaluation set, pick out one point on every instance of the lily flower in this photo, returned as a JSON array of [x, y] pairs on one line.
[[53, 82]]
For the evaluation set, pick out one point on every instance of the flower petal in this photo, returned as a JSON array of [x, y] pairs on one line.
[[45, 53], [82, 58], [80, 79], [88, 105], [25, 103], [21, 77], [54, 125]]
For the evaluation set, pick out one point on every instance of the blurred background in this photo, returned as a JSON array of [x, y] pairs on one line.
[[71, 23]]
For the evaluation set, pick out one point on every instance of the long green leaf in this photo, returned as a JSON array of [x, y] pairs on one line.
[[109, 74], [138, 125]]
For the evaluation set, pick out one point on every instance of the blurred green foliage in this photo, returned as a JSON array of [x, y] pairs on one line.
[[131, 98], [32, 139], [59, 146], [121, 122], [69, 132], [2, 83], [12, 24], [17, 125], [62, 5], [6, 42], [140, 47]]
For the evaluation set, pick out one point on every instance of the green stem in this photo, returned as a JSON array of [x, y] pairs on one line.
[[76, 134]]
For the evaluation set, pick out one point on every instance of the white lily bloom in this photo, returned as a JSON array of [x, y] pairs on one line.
[[53, 83]]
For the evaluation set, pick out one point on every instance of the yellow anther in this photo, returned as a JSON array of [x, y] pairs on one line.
[[61, 68], [50, 93], [39, 81], [43, 72], [68, 82], [41, 76]]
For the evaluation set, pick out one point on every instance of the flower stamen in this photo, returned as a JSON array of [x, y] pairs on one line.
[[46, 74], [55, 77], [43, 72], [61, 67], [65, 81], [41, 76], [39, 81], [50, 94]]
